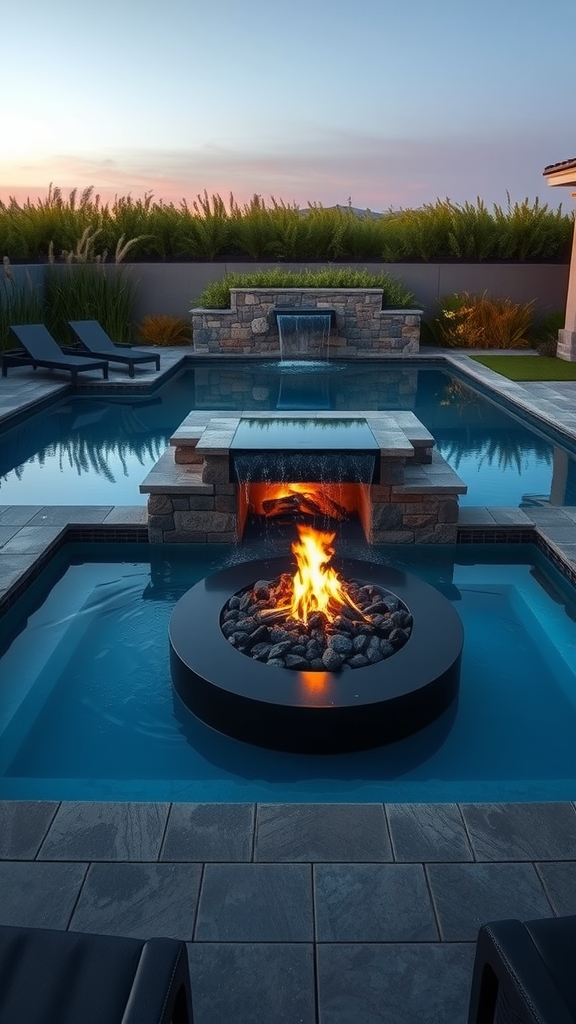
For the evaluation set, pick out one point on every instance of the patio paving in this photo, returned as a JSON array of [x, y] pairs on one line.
[[385, 934], [293, 914]]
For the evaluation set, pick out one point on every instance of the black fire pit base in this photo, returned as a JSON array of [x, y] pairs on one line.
[[315, 712]]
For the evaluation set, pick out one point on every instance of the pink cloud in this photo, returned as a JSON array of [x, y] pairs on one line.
[[374, 172]]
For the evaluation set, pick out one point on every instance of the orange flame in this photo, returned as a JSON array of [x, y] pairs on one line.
[[315, 586]]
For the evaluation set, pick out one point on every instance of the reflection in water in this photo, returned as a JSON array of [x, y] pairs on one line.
[[506, 450], [90, 450]]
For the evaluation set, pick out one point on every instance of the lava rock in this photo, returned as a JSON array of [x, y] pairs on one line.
[[231, 615], [313, 649], [260, 635], [296, 661], [360, 643], [260, 652], [358, 661], [340, 644], [279, 649], [332, 660], [239, 640], [373, 652], [398, 637]]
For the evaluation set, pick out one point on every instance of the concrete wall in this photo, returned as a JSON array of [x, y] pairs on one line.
[[171, 287]]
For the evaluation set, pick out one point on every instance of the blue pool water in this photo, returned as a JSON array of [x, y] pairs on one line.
[[97, 450], [87, 709]]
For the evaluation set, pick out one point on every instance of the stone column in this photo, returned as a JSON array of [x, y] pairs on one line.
[[566, 348]]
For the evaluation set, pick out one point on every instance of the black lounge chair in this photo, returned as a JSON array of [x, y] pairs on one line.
[[94, 338], [524, 973], [40, 349], [52, 977]]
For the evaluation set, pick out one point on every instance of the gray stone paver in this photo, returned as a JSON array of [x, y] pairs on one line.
[[465, 896], [253, 983], [255, 903], [414, 982], [516, 832], [6, 533], [559, 881], [139, 900], [428, 832], [32, 539], [23, 825], [17, 515], [373, 903], [133, 514], [105, 831], [34, 895], [60, 515], [209, 832], [322, 832], [388, 983]]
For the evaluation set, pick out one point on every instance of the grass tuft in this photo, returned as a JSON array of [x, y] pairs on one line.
[[217, 294], [521, 368]]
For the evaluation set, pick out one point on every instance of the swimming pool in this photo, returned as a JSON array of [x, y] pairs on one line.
[[88, 710], [96, 450]]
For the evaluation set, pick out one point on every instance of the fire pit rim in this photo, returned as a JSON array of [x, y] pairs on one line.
[[277, 707]]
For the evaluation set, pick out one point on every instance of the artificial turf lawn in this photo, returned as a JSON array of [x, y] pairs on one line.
[[529, 367]]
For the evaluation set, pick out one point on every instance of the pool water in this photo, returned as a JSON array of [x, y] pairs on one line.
[[97, 450], [87, 709]]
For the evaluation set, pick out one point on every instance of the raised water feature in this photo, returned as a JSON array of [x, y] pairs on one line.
[[359, 324], [304, 333]]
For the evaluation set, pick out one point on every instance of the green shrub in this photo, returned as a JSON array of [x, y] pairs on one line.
[[544, 334], [85, 288], [479, 321], [211, 229], [20, 303], [217, 294]]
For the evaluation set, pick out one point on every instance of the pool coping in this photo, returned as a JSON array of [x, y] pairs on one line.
[[316, 945]]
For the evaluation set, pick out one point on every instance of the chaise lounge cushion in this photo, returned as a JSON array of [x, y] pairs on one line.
[[96, 342], [525, 973], [51, 977]]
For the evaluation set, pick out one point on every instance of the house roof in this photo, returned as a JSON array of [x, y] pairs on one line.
[[562, 173]]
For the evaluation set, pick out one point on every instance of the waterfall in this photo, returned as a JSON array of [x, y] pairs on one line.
[[304, 335], [308, 467]]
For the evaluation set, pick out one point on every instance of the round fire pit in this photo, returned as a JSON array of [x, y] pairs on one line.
[[316, 712]]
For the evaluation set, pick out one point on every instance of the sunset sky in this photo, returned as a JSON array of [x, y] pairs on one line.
[[385, 103]]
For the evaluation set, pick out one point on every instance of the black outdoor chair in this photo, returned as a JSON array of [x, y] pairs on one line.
[[40, 349], [93, 337], [51, 977], [525, 973]]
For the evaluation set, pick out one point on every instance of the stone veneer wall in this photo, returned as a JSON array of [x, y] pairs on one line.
[[362, 326]]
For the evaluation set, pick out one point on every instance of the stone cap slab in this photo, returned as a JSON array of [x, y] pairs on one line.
[[192, 427], [436, 478], [397, 432], [166, 477], [415, 431], [217, 437]]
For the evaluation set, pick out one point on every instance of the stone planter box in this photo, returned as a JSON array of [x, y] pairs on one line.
[[362, 326]]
